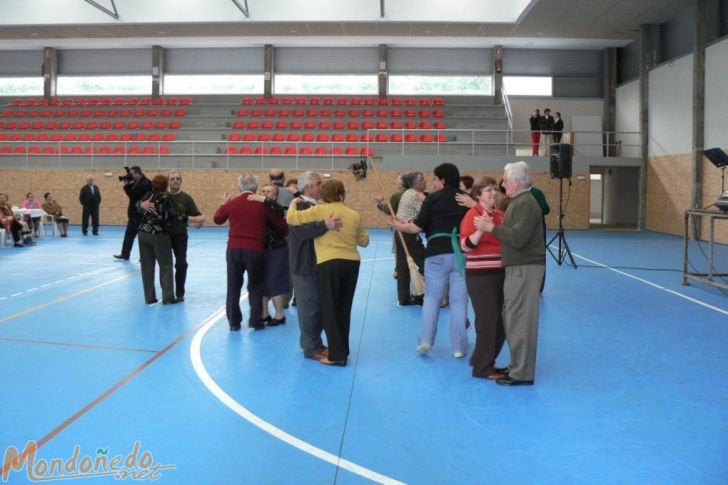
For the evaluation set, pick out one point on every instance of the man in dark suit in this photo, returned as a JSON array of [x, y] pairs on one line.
[[90, 198], [558, 128], [135, 187]]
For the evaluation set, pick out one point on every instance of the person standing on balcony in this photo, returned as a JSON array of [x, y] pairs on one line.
[[535, 122], [558, 128]]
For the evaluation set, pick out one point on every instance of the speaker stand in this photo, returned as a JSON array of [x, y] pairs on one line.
[[563, 246]]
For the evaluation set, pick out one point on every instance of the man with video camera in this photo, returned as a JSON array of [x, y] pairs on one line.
[[136, 184]]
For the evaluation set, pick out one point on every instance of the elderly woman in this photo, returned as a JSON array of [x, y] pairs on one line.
[[31, 203], [275, 283], [439, 219], [55, 210], [484, 276], [154, 244], [337, 268]]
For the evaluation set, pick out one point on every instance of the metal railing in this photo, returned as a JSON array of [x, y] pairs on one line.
[[435, 142]]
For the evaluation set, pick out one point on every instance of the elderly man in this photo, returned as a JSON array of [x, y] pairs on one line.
[[186, 212], [90, 199], [303, 267], [523, 255], [278, 178], [248, 222]]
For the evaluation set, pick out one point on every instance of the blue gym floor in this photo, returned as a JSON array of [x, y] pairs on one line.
[[630, 387]]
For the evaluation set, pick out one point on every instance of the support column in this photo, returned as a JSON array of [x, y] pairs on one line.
[[383, 78], [268, 71], [157, 71], [497, 74], [649, 56], [610, 94], [705, 28], [50, 71]]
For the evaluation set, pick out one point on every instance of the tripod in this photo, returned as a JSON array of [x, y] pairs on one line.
[[563, 245]]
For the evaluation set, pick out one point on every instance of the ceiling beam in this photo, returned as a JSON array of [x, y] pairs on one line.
[[381, 8], [244, 9], [114, 14]]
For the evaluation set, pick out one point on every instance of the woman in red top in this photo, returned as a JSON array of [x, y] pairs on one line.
[[484, 276]]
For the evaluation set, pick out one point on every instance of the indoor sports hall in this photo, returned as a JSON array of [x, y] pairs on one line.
[[617, 108]]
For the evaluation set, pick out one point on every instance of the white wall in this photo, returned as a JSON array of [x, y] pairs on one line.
[[671, 108], [628, 118], [716, 95]]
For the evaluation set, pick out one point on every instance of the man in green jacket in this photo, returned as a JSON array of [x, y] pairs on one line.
[[524, 257]]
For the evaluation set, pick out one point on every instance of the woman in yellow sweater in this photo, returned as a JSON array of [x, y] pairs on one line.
[[337, 265]]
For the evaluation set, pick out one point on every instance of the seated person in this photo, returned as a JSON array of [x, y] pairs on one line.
[[55, 211], [31, 203], [11, 224]]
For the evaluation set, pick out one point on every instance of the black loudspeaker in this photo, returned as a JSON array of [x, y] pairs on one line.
[[560, 160]]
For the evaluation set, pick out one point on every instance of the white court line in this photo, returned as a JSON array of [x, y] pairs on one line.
[[655, 285], [237, 408], [72, 277]]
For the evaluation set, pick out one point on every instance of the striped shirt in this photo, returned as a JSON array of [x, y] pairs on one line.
[[487, 254], [409, 206]]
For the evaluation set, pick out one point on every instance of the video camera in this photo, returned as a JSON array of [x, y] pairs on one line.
[[128, 178], [359, 170]]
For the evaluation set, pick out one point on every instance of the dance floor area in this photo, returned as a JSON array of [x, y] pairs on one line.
[[630, 385]]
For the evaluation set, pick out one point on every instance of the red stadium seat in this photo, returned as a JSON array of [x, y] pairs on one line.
[[337, 137], [352, 125], [230, 151], [84, 137], [281, 125], [105, 150], [438, 102], [439, 125], [119, 150], [325, 113], [260, 150], [426, 138], [238, 125], [322, 137], [352, 151], [396, 138], [249, 137], [438, 113], [164, 150], [338, 125], [328, 101], [305, 151], [140, 137], [321, 151], [314, 100], [395, 125], [290, 150], [34, 150], [243, 112], [340, 113], [370, 101], [366, 138], [382, 113], [342, 101], [424, 113], [76, 150], [301, 100], [283, 113], [112, 137], [410, 102], [180, 112], [324, 125], [169, 137], [149, 150], [382, 125], [246, 150], [337, 151], [293, 137], [279, 137], [185, 101], [174, 125], [263, 137], [367, 152], [382, 101], [309, 125], [410, 138], [396, 113], [247, 101], [266, 125], [296, 125], [275, 150], [381, 137], [307, 137], [125, 137], [410, 125], [425, 125], [253, 125], [154, 137], [396, 101], [442, 139]]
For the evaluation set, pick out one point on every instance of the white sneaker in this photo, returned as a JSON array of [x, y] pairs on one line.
[[458, 355], [423, 348]]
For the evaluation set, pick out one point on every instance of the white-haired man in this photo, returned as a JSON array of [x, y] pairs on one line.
[[248, 222], [524, 257], [303, 267]]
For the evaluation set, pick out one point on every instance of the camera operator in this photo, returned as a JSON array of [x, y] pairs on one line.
[[136, 185]]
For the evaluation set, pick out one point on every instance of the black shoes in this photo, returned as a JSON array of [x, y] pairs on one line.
[[234, 328], [152, 302], [272, 322], [170, 302], [412, 300], [509, 381], [119, 256]]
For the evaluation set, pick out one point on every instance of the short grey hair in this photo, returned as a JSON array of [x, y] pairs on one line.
[[519, 172], [413, 178], [247, 182], [173, 171], [307, 178]]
